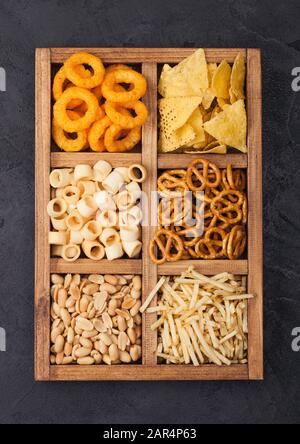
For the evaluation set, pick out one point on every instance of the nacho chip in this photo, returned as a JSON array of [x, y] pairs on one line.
[[237, 80], [218, 149], [175, 111], [188, 78], [196, 123], [230, 126], [232, 96], [223, 102], [209, 94], [177, 139], [221, 80], [217, 109]]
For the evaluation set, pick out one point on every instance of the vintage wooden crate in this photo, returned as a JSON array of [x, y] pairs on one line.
[[148, 59]]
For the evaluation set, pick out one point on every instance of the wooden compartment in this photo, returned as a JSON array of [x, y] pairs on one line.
[[148, 58]]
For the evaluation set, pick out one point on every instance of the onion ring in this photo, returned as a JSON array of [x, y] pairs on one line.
[[115, 66], [61, 83], [96, 134], [112, 109], [113, 145], [67, 143], [118, 76], [83, 58], [60, 109]]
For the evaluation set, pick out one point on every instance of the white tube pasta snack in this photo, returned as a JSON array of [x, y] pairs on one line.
[[132, 249], [93, 250], [91, 230], [76, 237], [133, 216], [113, 182], [104, 200], [137, 173], [135, 190], [86, 187], [101, 170], [70, 252], [107, 218], [87, 206], [109, 236], [59, 223], [114, 251], [130, 234], [124, 200], [75, 221], [56, 207], [83, 172], [60, 177], [71, 194], [124, 171], [58, 237]]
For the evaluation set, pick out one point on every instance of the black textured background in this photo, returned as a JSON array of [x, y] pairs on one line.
[[270, 25]]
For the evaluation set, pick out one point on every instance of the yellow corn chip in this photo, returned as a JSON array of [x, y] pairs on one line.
[[177, 139], [175, 111], [188, 78], [237, 79], [209, 94], [215, 111], [219, 149], [221, 80], [230, 126], [196, 123], [232, 96], [223, 102]]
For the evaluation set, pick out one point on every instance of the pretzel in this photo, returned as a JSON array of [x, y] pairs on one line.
[[173, 209], [235, 242], [226, 210], [162, 245], [210, 176], [172, 183], [212, 246], [234, 180]]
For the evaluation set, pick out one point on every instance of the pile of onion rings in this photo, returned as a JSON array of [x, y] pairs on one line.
[[97, 107]]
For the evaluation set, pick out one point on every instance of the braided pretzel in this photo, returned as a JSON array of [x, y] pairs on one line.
[[210, 176], [234, 243], [163, 244]]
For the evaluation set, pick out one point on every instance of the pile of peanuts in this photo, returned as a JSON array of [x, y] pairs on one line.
[[95, 319]]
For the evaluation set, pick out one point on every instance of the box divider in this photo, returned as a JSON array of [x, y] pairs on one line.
[[149, 160]]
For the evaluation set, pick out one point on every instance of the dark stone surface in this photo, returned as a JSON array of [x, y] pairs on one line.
[[272, 26]]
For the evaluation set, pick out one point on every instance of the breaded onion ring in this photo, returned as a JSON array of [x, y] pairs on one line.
[[115, 66], [129, 76], [96, 134], [113, 109], [69, 143], [83, 58], [60, 109], [61, 83], [114, 132]]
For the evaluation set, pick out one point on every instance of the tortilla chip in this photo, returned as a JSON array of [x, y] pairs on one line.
[[209, 94], [219, 149], [196, 123], [237, 80], [221, 80], [223, 102], [230, 126], [188, 78], [175, 111], [232, 96], [217, 109], [177, 139]]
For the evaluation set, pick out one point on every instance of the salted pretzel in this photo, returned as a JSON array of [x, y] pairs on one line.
[[209, 176], [166, 246], [234, 243], [172, 183], [233, 179], [174, 209], [212, 246]]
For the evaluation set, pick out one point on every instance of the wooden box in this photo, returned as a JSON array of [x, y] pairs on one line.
[[148, 59]]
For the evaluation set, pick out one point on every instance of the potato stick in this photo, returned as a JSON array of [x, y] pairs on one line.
[[152, 294], [174, 335], [191, 333], [164, 341], [191, 319], [209, 352], [175, 351], [159, 348], [156, 308], [227, 318], [167, 334], [194, 295], [223, 358], [174, 294], [223, 277], [157, 323], [188, 292], [184, 349], [167, 357], [187, 314], [230, 335], [238, 297], [203, 301], [212, 282], [214, 340], [245, 319], [189, 347], [179, 309]]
